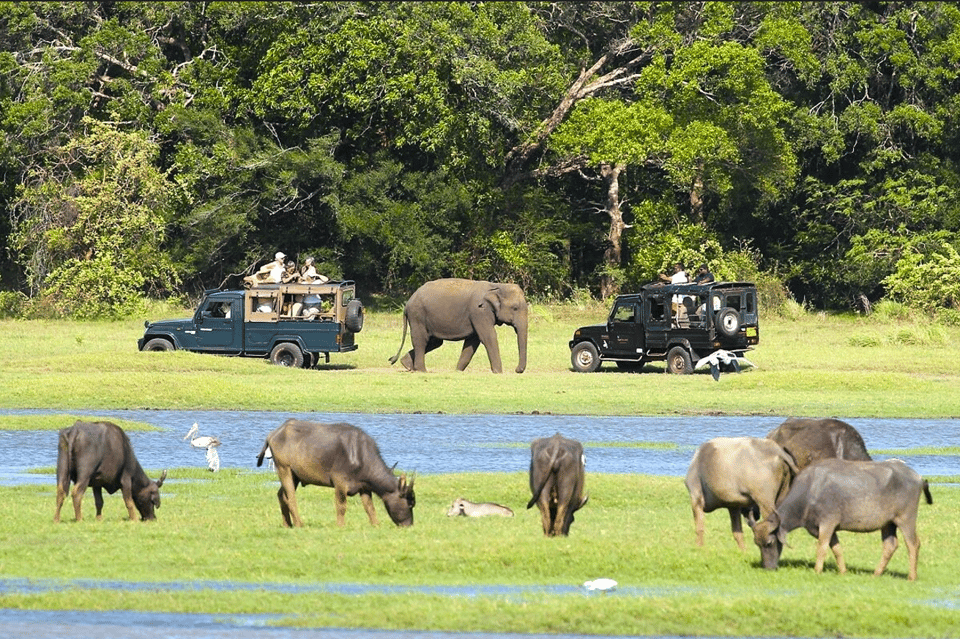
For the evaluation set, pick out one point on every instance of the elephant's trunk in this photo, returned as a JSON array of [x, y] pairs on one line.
[[521, 328]]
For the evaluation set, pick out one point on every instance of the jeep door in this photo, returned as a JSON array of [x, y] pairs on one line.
[[656, 315], [626, 331], [219, 325]]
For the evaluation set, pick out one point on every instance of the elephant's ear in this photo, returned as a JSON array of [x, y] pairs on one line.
[[493, 299]]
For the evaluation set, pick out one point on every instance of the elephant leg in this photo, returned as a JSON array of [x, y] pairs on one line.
[[414, 360], [488, 336], [470, 346]]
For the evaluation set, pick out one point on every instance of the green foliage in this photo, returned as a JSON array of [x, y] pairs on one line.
[[91, 224], [927, 279], [12, 304]]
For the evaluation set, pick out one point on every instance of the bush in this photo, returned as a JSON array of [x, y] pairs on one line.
[[12, 304]]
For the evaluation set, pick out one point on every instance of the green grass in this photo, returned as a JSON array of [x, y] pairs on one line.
[[636, 529], [805, 367]]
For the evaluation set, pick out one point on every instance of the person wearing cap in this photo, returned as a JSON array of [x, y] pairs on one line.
[[269, 273], [309, 273]]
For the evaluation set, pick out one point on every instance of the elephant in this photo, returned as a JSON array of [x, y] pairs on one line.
[[468, 310]]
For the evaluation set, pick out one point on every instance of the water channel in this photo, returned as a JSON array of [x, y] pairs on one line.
[[426, 443]]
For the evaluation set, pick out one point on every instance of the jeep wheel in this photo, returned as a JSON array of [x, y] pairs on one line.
[[679, 361], [585, 358], [728, 322], [354, 317], [159, 344], [287, 354]]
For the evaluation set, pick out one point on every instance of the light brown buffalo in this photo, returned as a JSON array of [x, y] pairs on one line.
[[737, 473]]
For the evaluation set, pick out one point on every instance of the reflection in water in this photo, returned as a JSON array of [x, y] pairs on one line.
[[437, 443]]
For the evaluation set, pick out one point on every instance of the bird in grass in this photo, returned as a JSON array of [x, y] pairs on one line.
[[716, 358], [603, 584], [205, 441]]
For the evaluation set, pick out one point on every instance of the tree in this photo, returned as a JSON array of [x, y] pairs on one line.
[[90, 224]]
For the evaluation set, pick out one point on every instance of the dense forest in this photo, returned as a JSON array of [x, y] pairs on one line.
[[154, 149]]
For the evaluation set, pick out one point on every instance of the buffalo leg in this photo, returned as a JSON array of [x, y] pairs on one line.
[[913, 547], [78, 489], [287, 496], [888, 534], [545, 518], [828, 540], [340, 497], [62, 491], [736, 526], [367, 500], [560, 525], [470, 346], [697, 507]]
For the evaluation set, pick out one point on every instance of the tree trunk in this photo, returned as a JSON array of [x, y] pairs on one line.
[[613, 255]]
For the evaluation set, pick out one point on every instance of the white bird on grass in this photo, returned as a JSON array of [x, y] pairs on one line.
[[603, 584], [721, 356], [205, 441]]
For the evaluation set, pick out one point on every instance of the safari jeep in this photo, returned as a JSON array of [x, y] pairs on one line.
[[291, 324], [679, 323]]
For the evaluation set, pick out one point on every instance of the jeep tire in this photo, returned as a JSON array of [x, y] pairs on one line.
[[585, 358], [728, 322], [159, 344], [679, 361], [287, 354], [353, 321]]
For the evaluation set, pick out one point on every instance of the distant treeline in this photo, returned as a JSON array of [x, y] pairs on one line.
[[154, 149]]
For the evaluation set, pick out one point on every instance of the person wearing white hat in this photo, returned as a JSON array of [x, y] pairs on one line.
[[269, 273]]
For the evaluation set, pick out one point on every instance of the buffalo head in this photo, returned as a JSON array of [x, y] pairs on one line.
[[400, 503], [148, 498], [770, 538]]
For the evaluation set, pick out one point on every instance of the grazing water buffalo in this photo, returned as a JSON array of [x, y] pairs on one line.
[[810, 440], [340, 456], [835, 494], [556, 481], [99, 455], [737, 473], [464, 508]]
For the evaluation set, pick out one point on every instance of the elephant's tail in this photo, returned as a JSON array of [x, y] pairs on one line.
[[393, 360]]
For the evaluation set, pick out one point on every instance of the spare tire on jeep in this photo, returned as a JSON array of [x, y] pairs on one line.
[[353, 320], [728, 321]]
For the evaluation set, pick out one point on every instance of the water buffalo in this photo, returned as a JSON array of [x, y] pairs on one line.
[[464, 508], [810, 440], [835, 494], [738, 473], [99, 455], [339, 456], [556, 481]]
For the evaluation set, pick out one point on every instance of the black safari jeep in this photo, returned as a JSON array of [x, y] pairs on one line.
[[679, 323], [291, 324]]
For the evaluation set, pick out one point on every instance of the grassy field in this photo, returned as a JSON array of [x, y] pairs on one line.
[[813, 366], [636, 529]]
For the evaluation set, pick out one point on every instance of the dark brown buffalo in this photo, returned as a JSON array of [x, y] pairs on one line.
[[556, 481], [810, 440], [99, 455], [835, 494], [339, 456], [739, 474]]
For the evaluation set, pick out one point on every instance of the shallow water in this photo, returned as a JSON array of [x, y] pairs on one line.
[[439, 443], [433, 443]]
